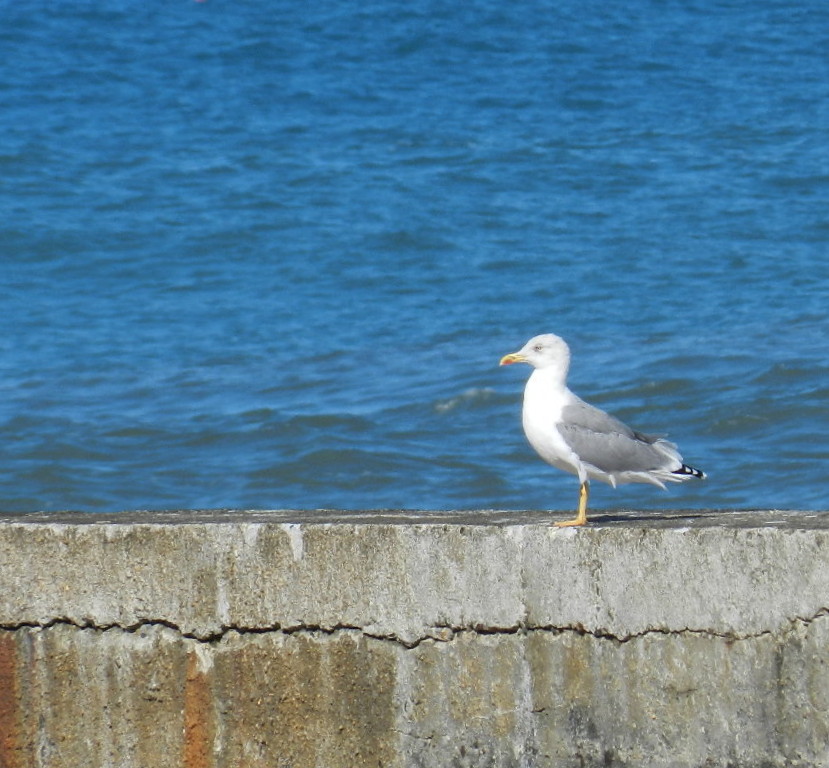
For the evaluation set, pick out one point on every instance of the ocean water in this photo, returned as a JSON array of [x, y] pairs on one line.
[[268, 255]]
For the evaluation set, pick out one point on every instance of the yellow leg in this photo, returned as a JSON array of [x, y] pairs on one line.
[[581, 517]]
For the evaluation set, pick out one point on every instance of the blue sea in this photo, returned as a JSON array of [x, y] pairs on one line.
[[268, 255]]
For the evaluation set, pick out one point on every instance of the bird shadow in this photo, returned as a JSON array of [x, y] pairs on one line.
[[652, 517]]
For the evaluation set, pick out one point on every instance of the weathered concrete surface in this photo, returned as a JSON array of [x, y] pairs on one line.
[[325, 639]]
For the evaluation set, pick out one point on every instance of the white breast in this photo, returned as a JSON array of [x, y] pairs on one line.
[[543, 404]]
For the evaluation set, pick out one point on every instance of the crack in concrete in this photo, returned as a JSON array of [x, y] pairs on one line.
[[436, 634]]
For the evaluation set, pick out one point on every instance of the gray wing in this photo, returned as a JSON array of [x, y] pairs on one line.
[[608, 444]]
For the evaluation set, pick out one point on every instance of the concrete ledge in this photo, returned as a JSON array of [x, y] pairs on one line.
[[414, 639]]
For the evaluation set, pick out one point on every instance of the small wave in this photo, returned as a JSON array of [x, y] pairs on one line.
[[472, 396]]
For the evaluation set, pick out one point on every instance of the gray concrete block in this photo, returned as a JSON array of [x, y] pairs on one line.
[[414, 639]]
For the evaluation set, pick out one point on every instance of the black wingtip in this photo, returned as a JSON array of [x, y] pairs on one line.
[[690, 471]]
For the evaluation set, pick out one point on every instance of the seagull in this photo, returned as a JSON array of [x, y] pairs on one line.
[[579, 438]]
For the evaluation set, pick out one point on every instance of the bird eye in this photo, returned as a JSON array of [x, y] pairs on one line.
[[538, 347]]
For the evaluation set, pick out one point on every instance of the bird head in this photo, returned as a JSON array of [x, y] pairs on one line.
[[545, 351]]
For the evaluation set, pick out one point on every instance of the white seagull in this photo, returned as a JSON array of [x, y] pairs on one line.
[[579, 438]]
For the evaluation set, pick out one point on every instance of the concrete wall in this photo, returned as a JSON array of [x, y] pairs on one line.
[[321, 640]]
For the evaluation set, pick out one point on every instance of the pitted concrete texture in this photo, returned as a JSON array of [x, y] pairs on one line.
[[296, 639]]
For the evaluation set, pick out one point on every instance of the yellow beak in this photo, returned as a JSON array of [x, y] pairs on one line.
[[515, 357]]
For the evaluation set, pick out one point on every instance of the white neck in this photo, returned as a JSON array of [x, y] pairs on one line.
[[546, 388], [554, 374]]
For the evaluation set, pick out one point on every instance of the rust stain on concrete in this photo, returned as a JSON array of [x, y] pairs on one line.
[[9, 713], [198, 721]]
